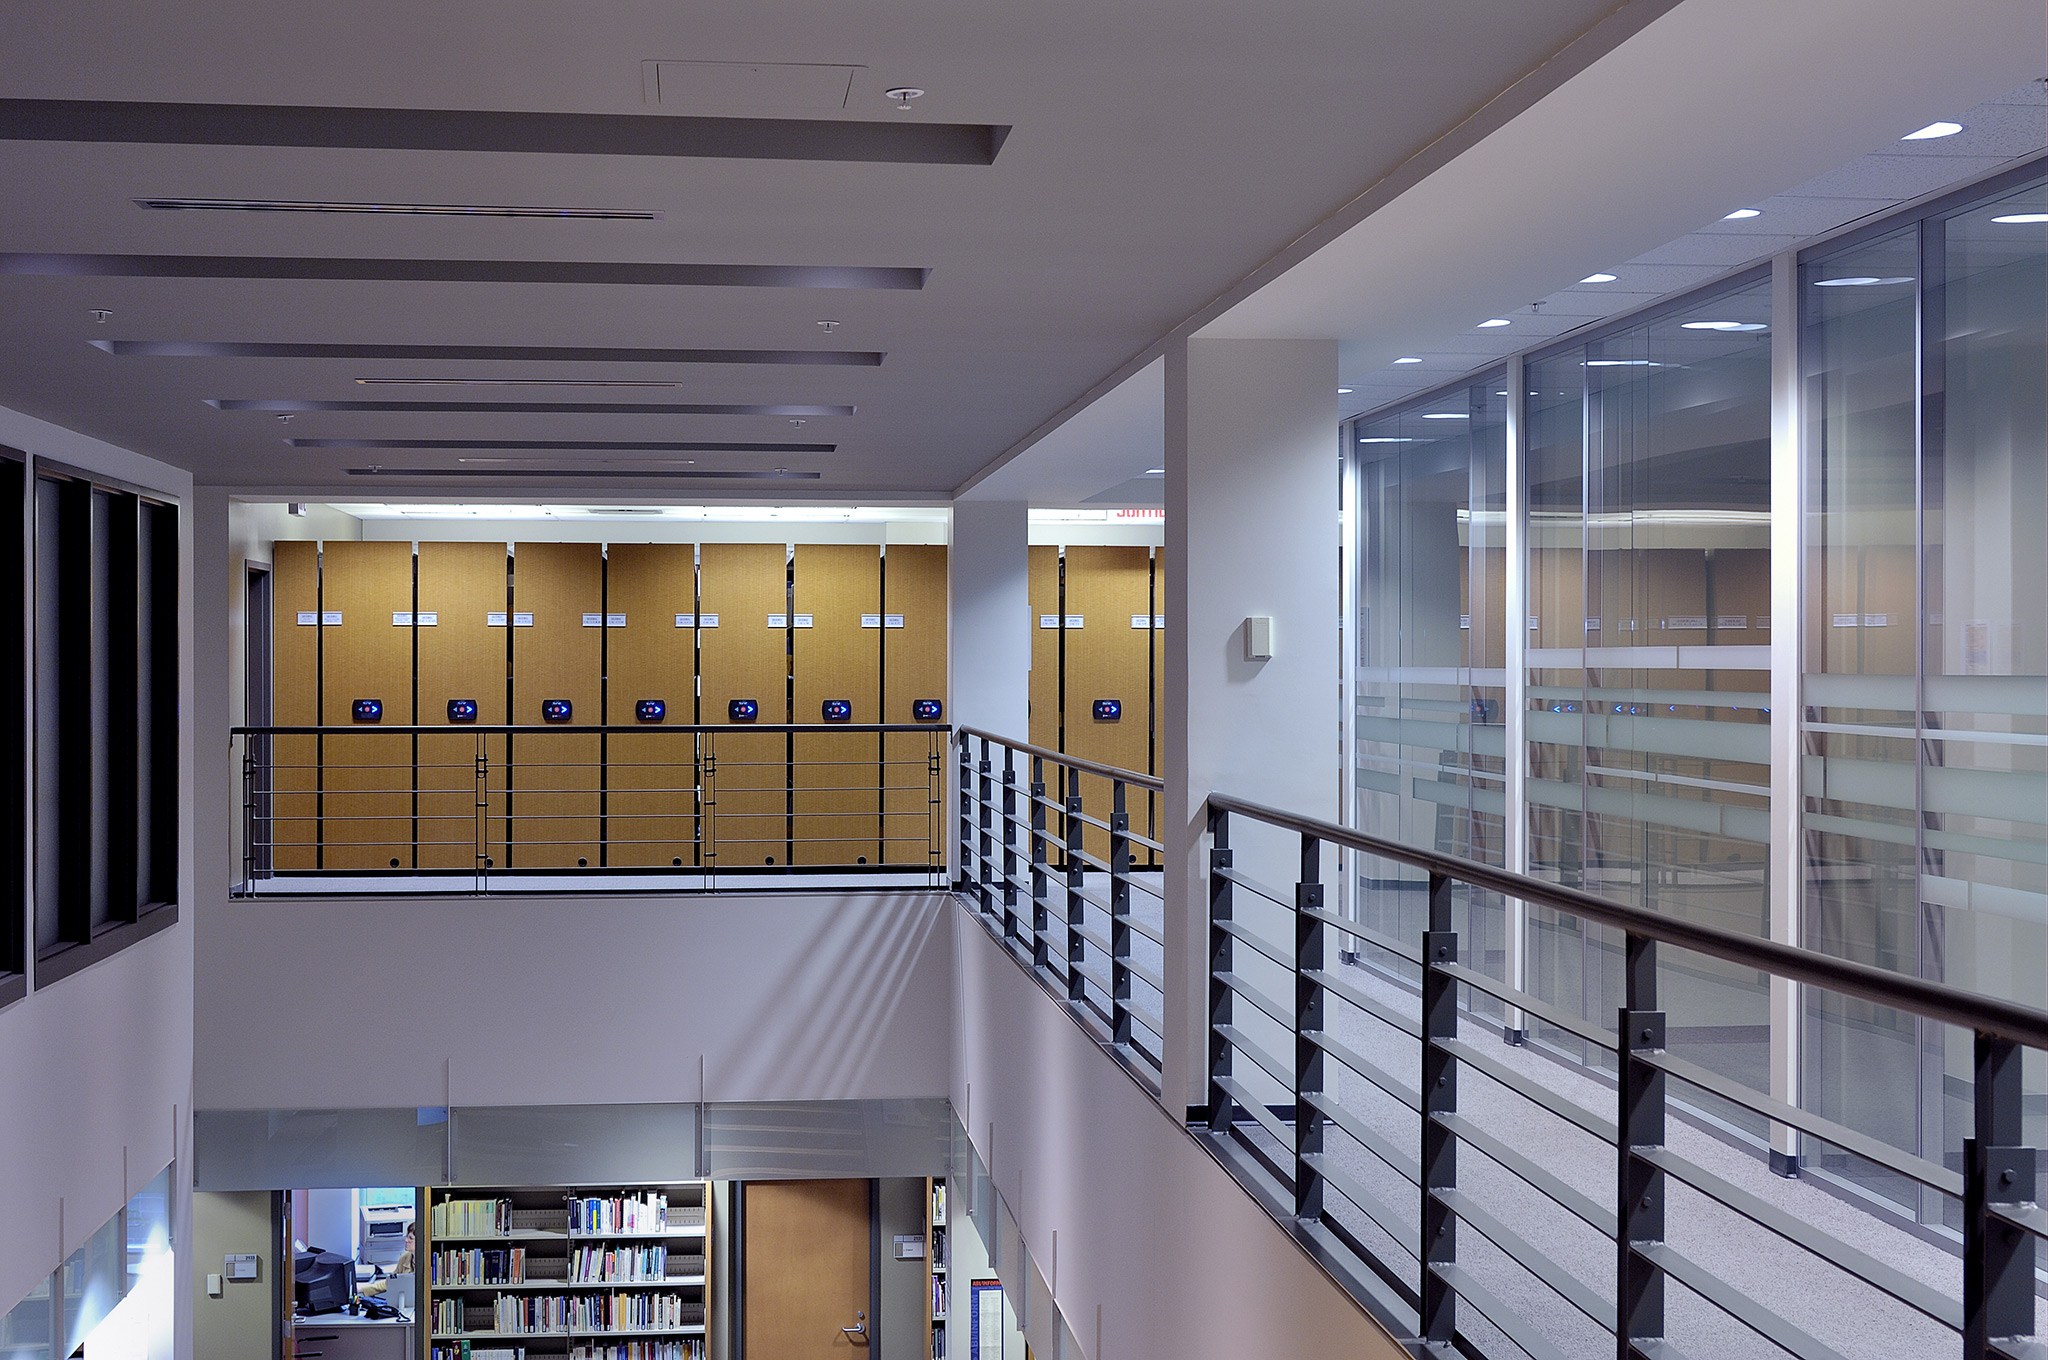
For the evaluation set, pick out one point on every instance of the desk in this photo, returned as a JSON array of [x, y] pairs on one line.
[[344, 1336]]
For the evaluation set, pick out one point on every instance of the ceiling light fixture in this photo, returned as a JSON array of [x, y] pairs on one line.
[[1742, 213], [903, 94], [1155, 472], [2022, 219], [1446, 415], [1745, 326], [1598, 278], [828, 326], [515, 382], [1407, 359], [1622, 363], [1343, 391], [1386, 439], [1861, 281], [396, 209], [1932, 131], [1497, 321]]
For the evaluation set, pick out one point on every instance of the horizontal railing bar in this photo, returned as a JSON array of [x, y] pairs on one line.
[[1933, 1175], [1051, 757], [1513, 1325], [1369, 1204], [663, 730], [2030, 1217], [1145, 841], [1865, 1267], [1236, 931], [1243, 1043], [1734, 1302], [1256, 1108], [1898, 991], [1241, 986], [1141, 928], [1140, 971], [1358, 997], [1271, 1161], [1100, 981], [1581, 1206], [1550, 1015], [1243, 880], [1365, 1068], [1531, 1090], [2017, 1348], [1395, 1160], [1566, 1285], [1363, 932], [1095, 822]]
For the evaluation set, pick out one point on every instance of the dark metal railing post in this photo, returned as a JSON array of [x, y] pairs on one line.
[[480, 814], [1438, 1317], [1221, 1111], [1010, 917], [963, 869], [1119, 914], [985, 840], [1640, 1191], [1998, 1257], [1309, 939], [1041, 957], [1077, 905], [249, 819]]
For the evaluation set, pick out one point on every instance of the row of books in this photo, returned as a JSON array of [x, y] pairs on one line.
[[618, 1265], [619, 1312], [691, 1349], [470, 1217], [647, 1212], [463, 1350], [480, 1265], [938, 1296], [938, 1204]]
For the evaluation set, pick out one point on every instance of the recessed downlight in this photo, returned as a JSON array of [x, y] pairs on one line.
[[1598, 278], [1742, 326], [1861, 281], [2022, 219], [1742, 214], [1932, 131], [397, 209], [1407, 359], [1496, 322]]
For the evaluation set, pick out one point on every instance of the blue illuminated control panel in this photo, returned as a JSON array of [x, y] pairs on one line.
[[839, 710], [462, 710], [367, 710], [927, 710], [742, 710], [1109, 710], [650, 710], [556, 710]]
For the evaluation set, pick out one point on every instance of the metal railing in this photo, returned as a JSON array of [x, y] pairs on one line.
[[1046, 852], [480, 806], [1335, 1093]]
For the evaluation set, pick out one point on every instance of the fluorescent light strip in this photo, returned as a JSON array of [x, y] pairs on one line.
[[2022, 219], [547, 408], [515, 382], [288, 205], [567, 445], [706, 474]]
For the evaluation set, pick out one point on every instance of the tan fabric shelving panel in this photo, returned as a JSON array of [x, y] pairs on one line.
[[367, 807], [295, 702], [1107, 658], [1151, 824], [651, 810], [837, 776], [743, 584], [913, 667], [556, 776], [463, 655]]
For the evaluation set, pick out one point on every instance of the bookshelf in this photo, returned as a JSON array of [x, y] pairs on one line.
[[936, 1232], [611, 1272]]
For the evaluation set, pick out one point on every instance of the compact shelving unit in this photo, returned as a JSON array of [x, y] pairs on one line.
[[613, 1272], [935, 1236]]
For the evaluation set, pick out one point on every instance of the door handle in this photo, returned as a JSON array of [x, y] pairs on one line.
[[859, 1331]]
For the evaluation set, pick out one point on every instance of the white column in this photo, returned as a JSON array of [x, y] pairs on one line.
[[991, 618], [1251, 531], [1788, 506], [1515, 699]]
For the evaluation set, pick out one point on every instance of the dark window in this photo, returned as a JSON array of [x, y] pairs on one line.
[[14, 773], [106, 672]]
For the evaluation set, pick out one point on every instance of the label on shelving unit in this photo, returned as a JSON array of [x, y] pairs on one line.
[[892, 620], [1076, 620], [1048, 620], [1142, 621], [1846, 620], [309, 618], [871, 620], [1877, 620], [686, 620], [593, 620], [1464, 620], [494, 620], [778, 620], [802, 620], [331, 619], [707, 620], [522, 620], [615, 620], [1159, 620], [400, 619], [1731, 621], [1681, 621], [427, 619]]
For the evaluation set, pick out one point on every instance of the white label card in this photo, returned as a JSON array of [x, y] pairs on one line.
[[686, 620], [494, 620], [331, 619], [1680, 621], [871, 620], [615, 620], [707, 620], [309, 618], [1846, 620], [522, 620], [778, 620], [400, 620], [1048, 620], [427, 619], [1464, 620], [1159, 620], [1075, 620], [593, 620], [893, 620], [1141, 621], [1731, 621], [803, 620], [1877, 620]]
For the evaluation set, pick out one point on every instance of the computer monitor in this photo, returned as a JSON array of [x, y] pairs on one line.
[[322, 1282]]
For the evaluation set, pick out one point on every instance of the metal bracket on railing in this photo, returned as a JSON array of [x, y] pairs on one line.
[[1308, 1024], [1438, 1321], [1221, 1111], [1041, 923], [1077, 905], [1119, 914], [1998, 1255]]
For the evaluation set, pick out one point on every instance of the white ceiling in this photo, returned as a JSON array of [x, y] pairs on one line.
[[1158, 154]]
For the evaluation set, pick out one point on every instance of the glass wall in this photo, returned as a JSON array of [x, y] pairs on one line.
[[1429, 768], [1925, 349], [129, 1252]]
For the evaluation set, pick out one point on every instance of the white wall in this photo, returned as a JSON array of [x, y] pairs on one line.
[[96, 1070], [574, 1000], [1181, 1262], [990, 636]]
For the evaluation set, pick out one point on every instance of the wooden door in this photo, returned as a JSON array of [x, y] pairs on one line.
[[464, 656], [807, 1271], [836, 776], [555, 773], [914, 604], [651, 657], [744, 655], [1108, 595], [1152, 824], [366, 654], [1043, 574]]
